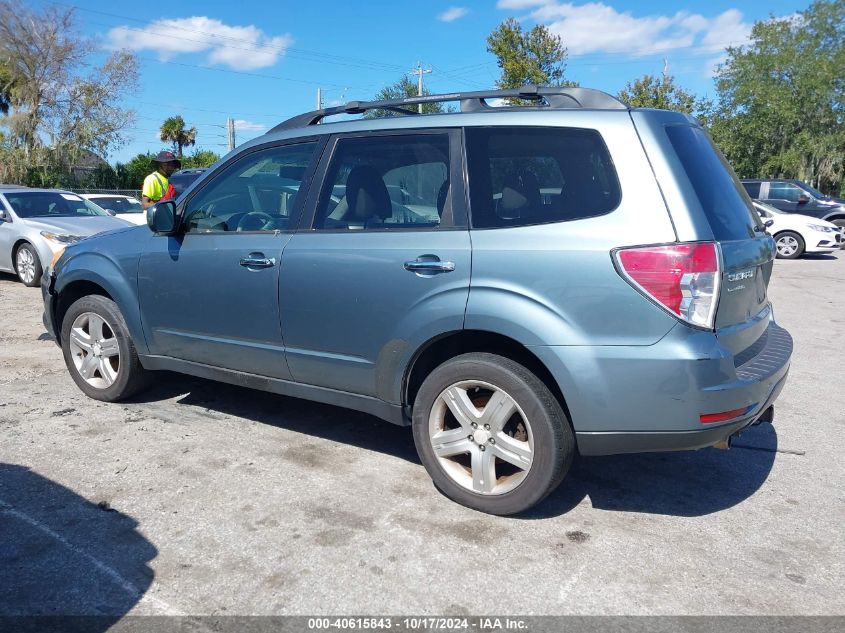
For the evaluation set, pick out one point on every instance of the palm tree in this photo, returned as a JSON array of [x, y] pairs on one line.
[[173, 131]]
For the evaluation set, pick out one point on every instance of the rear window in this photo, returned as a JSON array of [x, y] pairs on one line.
[[721, 195], [521, 176]]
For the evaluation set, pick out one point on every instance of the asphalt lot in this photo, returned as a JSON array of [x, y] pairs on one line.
[[202, 498]]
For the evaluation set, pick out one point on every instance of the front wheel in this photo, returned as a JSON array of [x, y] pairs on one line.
[[28, 265], [490, 434], [789, 245], [98, 351]]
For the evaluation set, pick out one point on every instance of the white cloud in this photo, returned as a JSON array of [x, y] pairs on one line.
[[595, 27], [239, 47], [248, 126], [520, 4], [452, 13]]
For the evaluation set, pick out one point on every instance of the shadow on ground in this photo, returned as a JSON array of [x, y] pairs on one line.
[[61, 554], [692, 483]]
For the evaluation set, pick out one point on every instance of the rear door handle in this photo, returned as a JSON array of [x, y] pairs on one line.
[[257, 260], [429, 266]]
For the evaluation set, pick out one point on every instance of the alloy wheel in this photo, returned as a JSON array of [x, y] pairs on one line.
[[481, 437], [94, 349], [25, 262]]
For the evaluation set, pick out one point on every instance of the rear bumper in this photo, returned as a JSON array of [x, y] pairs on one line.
[[627, 399], [614, 443]]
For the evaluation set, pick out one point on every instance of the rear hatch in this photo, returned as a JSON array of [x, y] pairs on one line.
[[747, 251]]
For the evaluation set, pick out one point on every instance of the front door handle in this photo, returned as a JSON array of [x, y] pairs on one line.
[[429, 266], [257, 260]]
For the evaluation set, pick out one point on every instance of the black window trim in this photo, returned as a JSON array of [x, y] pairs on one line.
[[305, 184], [536, 127], [456, 177]]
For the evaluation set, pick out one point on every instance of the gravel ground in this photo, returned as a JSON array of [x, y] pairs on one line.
[[202, 498]]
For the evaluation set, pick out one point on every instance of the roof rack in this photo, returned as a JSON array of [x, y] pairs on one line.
[[555, 98]]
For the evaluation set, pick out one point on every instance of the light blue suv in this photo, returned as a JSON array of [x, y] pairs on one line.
[[517, 283]]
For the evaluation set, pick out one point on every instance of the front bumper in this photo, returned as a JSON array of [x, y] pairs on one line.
[[48, 284]]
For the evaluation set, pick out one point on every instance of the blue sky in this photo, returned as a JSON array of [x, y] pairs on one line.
[[261, 62]]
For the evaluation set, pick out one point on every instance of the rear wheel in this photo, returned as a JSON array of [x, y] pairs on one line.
[[490, 434], [98, 352], [28, 265], [789, 245]]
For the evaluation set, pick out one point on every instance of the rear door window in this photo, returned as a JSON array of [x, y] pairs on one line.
[[721, 195], [520, 176], [784, 191], [752, 189]]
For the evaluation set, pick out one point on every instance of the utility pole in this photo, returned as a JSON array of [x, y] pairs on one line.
[[420, 72], [230, 126], [319, 98]]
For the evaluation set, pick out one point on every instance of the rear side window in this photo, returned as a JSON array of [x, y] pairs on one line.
[[752, 189], [719, 191], [521, 176]]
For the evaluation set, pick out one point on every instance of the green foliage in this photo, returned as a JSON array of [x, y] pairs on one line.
[[650, 92], [131, 175], [173, 131], [200, 158], [400, 90], [781, 98], [528, 57]]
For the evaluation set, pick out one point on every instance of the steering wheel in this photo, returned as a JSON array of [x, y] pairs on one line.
[[255, 221]]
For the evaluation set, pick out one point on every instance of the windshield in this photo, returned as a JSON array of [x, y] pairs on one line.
[[51, 204], [119, 204], [812, 190]]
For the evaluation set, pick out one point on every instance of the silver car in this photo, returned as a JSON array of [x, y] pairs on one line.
[[35, 224]]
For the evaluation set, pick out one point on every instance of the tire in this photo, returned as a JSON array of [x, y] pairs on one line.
[[534, 434], [93, 328], [28, 265], [789, 245], [841, 224]]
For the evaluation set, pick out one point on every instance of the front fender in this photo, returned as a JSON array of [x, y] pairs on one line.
[[117, 276]]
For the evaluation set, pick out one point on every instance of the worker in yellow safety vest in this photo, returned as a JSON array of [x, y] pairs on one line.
[[157, 186]]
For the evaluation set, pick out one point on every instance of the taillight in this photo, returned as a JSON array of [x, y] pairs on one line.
[[683, 278]]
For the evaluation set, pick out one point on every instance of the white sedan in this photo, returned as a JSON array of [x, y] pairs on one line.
[[124, 207], [798, 234]]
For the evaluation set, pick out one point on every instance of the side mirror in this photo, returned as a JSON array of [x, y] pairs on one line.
[[768, 223], [803, 199], [3, 216], [161, 218]]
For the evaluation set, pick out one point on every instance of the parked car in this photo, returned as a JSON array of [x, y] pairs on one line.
[[795, 196], [124, 207], [35, 224], [574, 277], [798, 234], [184, 178]]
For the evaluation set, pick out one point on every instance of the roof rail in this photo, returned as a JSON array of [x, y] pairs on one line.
[[555, 98]]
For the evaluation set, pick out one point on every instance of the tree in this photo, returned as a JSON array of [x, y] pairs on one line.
[[5, 88], [528, 57], [173, 131], [650, 92], [400, 90], [781, 98], [50, 99], [200, 158]]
